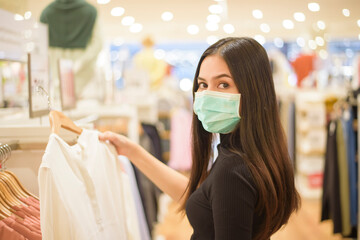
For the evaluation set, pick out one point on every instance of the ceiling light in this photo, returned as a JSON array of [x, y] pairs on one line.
[[118, 41], [117, 11], [358, 22], [264, 27], [257, 14], [314, 7], [323, 54], [103, 1], [213, 18], [359, 36], [288, 24], [312, 44], [321, 25], [30, 46], [300, 42], [167, 16], [212, 26], [346, 12], [212, 39], [299, 16], [136, 27], [278, 42], [193, 29], [186, 84], [18, 17], [159, 54], [128, 20], [260, 38], [229, 28], [319, 41], [215, 9], [27, 15]]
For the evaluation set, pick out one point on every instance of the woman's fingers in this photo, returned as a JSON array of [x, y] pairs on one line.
[[115, 139], [108, 136]]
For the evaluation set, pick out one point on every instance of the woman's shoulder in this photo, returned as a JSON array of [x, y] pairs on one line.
[[231, 174], [231, 168], [231, 159]]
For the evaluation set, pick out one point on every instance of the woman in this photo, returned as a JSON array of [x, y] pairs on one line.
[[249, 192]]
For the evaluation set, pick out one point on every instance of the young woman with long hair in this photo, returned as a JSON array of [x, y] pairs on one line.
[[249, 191]]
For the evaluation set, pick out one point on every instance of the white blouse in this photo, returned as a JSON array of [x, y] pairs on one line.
[[83, 193]]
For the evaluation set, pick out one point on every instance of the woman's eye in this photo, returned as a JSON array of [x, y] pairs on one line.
[[223, 85], [202, 85]]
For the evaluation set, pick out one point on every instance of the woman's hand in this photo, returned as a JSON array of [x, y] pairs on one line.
[[122, 144]]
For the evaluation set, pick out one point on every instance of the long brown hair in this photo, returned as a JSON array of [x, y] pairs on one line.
[[258, 138]]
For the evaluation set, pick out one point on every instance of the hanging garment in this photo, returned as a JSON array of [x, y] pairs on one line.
[[154, 136], [352, 167], [19, 218], [82, 192], [149, 192], [180, 137], [303, 66], [344, 179], [8, 233], [144, 230], [21, 228], [331, 208]]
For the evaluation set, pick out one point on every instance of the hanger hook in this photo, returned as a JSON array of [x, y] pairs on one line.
[[42, 91], [2, 157]]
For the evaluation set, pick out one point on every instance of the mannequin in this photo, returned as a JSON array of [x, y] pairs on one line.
[[73, 34], [146, 60]]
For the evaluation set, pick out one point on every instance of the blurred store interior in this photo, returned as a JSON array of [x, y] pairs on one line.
[[134, 76]]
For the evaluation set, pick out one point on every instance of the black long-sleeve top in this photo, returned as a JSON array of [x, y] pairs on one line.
[[223, 207]]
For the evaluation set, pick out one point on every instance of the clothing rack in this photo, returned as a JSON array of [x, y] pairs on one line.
[[5, 153]]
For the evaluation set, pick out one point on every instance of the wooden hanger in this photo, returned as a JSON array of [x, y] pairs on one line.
[[23, 189], [8, 195], [13, 186], [5, 208], [59, 120]]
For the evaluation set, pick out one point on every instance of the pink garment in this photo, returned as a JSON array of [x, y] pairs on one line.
[[29, 221], [19, 212], [29, 225], [27, 216], [27, 233], [32, 202], [8, 233], [180, 140], [28, 210]]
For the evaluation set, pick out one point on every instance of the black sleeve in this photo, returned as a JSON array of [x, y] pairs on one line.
[[233, 200]]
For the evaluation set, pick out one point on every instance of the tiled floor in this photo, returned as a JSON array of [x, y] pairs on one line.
[[304, 225]]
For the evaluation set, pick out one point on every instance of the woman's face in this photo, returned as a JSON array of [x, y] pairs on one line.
[[214, 75]]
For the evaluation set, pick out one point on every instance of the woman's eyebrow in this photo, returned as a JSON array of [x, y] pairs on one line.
[[222, 75], [216, 77]]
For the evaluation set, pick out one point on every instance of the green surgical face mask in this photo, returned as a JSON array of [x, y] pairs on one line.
[[217, 111]]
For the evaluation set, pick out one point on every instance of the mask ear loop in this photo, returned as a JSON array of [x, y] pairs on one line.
[[240, 106]]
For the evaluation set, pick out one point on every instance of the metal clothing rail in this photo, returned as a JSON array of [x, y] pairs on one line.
[[5, 154]]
